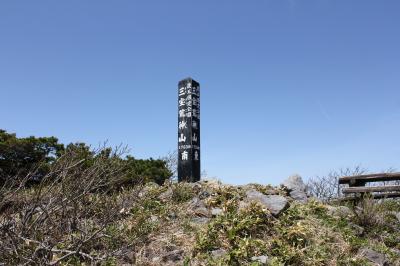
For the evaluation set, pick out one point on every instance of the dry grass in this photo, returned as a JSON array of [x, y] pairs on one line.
[[78, 217]]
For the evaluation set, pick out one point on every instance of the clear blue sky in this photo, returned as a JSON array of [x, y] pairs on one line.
[[287, 86]]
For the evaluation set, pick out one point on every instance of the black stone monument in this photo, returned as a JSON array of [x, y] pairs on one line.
[[188, 130]]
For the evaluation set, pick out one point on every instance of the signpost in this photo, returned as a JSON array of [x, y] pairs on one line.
[[188, 130]]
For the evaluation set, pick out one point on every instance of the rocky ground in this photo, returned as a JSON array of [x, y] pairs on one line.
[[204, 223], [209, 223]]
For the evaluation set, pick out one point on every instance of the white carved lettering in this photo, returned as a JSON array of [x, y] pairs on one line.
[[182, 124], [182, 138], [184, 155]]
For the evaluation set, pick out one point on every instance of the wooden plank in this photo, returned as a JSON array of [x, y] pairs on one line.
[[375, 196], [386, 195], [370, 189], [370, 178]]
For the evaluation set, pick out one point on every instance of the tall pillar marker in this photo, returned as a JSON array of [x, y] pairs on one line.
[[188, 130]]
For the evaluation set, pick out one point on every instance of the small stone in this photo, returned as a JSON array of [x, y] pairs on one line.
[[172, 215], [200, 220], [196, 202], [271, 191], [195, 186], [274, 203], [243, 205], [166, 195], [202, 212], [216, 211], [397, 215], [174, 256], [153, 219], [331, 210], [218, 253], [261, 259], [199, 208], [396, 251], [156, 259], [246, 187], [375, 257], [130, 257], [204, 194], [358, 230], [339, 211]]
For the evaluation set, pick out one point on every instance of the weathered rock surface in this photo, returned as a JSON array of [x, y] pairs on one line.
[[166, 195], [358, 230], [261, 259], [246, 187], [200, 220], [377, 258], [173, 256], [153, 219], [274, 203], [296, 187], [218, 253], [172, 215], [216, 211], [298, 196], [339, 211], [196, 187], [396, 251], [204, 194], [129, 257], [397, 215], [199, 208], [294, 182]]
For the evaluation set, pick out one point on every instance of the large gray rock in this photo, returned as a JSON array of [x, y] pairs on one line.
[[296, 187], [274, 203], [294, 182], [299, 196], [377, 258]]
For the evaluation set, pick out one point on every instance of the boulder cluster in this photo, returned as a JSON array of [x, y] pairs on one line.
[[203, 207], [275, 200]]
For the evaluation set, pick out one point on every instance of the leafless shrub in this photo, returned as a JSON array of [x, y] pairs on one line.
[[67, 214], [370, 213], [387, 183], [327, 187], [171, 160]]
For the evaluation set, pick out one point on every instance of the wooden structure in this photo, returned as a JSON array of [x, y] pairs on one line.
[[357, 185]]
